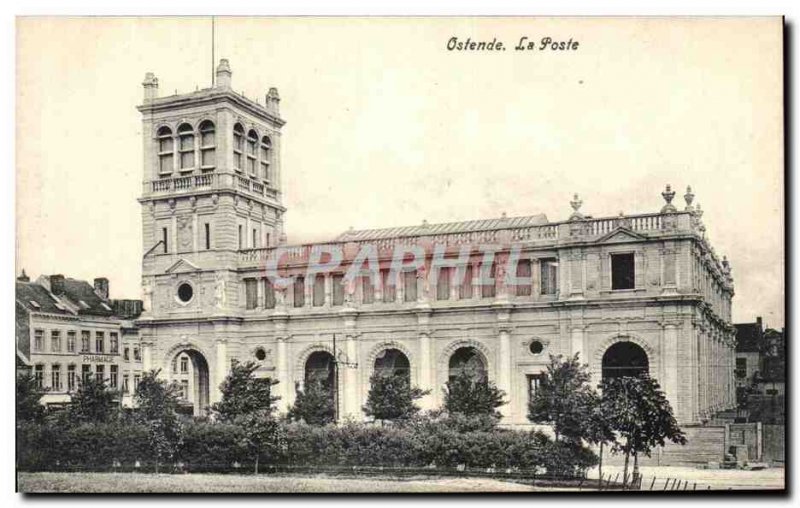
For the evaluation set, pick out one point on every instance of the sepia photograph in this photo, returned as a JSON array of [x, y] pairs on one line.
[[400, 255]]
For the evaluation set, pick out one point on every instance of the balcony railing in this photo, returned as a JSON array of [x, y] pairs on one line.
[[208, 181], [541, 234]]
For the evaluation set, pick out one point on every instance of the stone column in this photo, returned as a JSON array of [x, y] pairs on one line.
[[426, 373], [349, 368], [577, 343], [716, 371], [671, 385], [504, 371], [328, 292], [352, 393], [576, 274], [285, 388], [706, 375], [426, 377], [147, 355], [221, 370]]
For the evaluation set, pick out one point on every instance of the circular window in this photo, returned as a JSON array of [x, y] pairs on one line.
[[536, 347], [185, 292], [261, 354]]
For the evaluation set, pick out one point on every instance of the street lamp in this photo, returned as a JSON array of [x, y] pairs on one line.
[[336, 362]]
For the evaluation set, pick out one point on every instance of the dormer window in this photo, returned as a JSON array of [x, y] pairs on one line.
[[266, 149], [252, 142], [83, 304], [208, 145], [238, 146], [186, 146], [165, 151]]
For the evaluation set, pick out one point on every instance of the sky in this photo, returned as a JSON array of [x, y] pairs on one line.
[[386, 127]]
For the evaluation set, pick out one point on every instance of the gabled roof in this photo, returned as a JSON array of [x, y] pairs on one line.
[[78, 297], [37, 298], [748, 337], [83, 298], [444, 228]]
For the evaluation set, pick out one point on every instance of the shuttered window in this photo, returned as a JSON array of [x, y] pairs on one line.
[[443, 284], [367, 290], [337, 280], [410, 286], [251, 293], [388, 287], [465, 286], [269, 294], [299, 292], [549, 276], [524, 272], [319, 291], [487, 288]]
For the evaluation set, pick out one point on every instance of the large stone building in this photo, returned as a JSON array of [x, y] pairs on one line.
[[631, 294]]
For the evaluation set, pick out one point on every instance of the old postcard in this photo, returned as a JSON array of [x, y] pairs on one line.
[[428, 254]]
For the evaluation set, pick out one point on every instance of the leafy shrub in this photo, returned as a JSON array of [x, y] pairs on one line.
[[210, 446], [427, 440]]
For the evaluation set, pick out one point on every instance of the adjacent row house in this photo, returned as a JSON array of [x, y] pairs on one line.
[[69, 330]]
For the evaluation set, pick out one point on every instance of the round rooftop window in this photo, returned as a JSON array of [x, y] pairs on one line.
[[536, 347], [261, 354], [185, 292]]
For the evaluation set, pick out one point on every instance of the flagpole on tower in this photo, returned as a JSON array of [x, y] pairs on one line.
[[212, 52]]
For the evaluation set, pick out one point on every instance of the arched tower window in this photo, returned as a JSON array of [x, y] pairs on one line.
[[165, 151], [186, 146], [319, 368], [392, 362], [266, 152], [208, 145], [467, 359], [252, 142], [625, 359], [238, 146]]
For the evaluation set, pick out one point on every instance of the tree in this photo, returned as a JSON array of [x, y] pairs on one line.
[[243, 393], [29, 394], [639, 411], [261, 433], [156, 405], [313, 404], [471, 397], [564, 398], [391, 397], [94, 402], [155, 398], [599, 431]]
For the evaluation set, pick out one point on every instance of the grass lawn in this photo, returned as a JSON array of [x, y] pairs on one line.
[[702, 479], [229, 483], [285, 483]]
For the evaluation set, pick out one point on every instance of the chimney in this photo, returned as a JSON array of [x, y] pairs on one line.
[[273, 101], [758, 321], [23, 277], [57, 284], [150, 85], [224, 74], [101, 287]]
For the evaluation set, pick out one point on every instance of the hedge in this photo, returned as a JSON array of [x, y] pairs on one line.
[[207, 446]]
